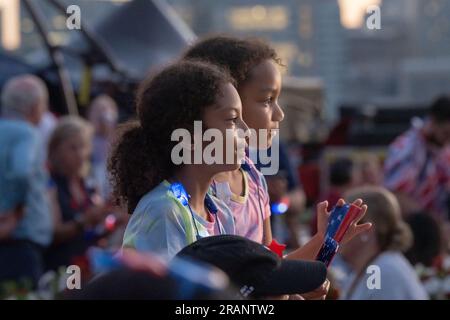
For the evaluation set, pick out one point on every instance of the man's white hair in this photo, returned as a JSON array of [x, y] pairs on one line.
[[21, 94]]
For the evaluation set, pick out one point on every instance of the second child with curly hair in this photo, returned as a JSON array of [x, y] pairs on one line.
[[145, 178]]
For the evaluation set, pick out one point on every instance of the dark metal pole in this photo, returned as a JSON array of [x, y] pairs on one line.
[[56, 56], [99, 46]]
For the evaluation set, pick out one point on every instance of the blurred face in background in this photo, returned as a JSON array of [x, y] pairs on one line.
[[439, 133], [37, 111], [352, 249], [389, 231], [357, 176], [103, 115], [73, 153], [371, 171], [25, 96]]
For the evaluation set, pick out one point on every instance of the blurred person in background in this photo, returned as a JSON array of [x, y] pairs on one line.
[[343, 175], [47, 125], [417, 167], [371, 170], [382, 246], [78, 208], [25, 219], [103, 115], [427, 255], [427, 245]]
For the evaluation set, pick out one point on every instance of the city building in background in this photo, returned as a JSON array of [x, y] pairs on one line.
[[406, 62], [307, 34], [101, 55]]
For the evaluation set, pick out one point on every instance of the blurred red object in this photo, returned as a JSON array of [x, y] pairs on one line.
[[277, 248]]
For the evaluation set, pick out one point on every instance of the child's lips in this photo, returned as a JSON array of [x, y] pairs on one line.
[[240, 148]]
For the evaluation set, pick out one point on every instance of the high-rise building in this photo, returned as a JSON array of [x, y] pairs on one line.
[[431, 30], [427, 23], [373, 58], [307, 34], [406, 61]]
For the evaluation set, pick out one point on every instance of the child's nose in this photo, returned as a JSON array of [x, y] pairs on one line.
[[278, 114], [244, 127]]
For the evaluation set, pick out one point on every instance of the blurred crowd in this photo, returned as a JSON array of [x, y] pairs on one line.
[[55, 200], [56, 204]]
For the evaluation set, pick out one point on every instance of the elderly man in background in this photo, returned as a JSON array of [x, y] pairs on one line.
[[25, 218]]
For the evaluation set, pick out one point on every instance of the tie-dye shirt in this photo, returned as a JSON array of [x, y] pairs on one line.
[[251, 209], [162, 224]]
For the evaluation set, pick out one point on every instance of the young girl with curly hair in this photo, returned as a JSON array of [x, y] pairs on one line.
[[169, 203]]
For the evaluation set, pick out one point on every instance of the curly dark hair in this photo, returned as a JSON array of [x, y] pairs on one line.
[[174, 98], [237, 56]]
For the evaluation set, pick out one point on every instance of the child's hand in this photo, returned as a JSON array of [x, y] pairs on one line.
[[296, 297], [319, 294], [323, 215]]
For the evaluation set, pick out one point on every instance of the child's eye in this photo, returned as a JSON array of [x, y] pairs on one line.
[[233, 120], [268, 101]]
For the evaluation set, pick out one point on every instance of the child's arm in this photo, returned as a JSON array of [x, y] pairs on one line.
[[267, 227], [267, 232], [309, 251]]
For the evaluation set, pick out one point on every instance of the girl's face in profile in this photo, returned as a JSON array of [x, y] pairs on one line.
[[259, 95], [226, 116]]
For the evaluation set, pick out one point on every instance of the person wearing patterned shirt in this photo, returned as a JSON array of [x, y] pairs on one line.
[[417, 166]]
